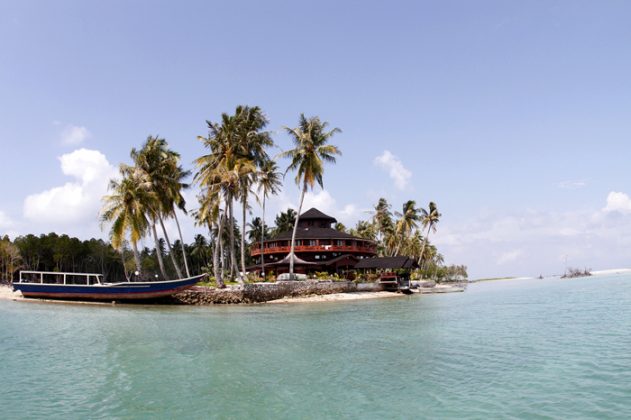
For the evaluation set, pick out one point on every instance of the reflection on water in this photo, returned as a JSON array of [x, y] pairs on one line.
[[555, 348]]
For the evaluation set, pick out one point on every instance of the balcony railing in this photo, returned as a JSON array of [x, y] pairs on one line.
[[368, 249]]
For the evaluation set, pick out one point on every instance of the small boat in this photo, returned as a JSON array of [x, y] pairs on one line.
[[89, 286], [391, 282]]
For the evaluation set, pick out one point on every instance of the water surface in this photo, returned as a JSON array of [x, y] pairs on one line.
[[519, 349]]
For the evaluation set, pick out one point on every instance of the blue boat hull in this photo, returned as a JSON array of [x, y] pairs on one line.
[[113, 291]]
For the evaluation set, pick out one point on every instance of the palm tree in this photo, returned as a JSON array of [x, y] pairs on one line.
[[161, 168], [307, 159], [237, 146], [125, 208], [429, 219], [407, 222], [209, 214], [284, 221], [269, 182]]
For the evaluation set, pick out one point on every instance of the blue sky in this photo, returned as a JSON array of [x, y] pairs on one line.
[[513, 116]]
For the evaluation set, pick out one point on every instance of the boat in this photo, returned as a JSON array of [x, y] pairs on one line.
[[90, 286], [392, 282]]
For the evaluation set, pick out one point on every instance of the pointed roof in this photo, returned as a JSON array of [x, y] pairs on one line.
[[296, 259], [315, 214]]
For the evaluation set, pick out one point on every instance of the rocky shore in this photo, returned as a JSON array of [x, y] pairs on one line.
[[280, 292]]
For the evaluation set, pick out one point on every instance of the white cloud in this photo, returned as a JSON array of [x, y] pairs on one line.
[[618, 202], [322, 200], [396, 170], [534, 242], [73, 135], [77, 201], [572, 185]]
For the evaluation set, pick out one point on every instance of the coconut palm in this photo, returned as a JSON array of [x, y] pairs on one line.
[[125, 208], [429, 219], [269, 182], [209, 214], [408, 220], [160, 166], [310, 153], [284, 221]]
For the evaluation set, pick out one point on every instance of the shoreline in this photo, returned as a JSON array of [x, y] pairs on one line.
[[6, 293]]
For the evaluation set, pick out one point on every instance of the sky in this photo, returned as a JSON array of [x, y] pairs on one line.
[[514, 117]]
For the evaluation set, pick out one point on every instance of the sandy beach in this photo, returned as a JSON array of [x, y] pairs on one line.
[[335, 297]]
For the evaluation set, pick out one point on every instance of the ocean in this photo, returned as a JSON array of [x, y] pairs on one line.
[[539, 349]]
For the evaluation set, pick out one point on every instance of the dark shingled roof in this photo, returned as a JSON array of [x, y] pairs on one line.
[[315, 214], [315, 233], [390, 263]]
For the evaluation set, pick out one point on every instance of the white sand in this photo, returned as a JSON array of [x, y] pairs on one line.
[[611, 271], [336, 297]]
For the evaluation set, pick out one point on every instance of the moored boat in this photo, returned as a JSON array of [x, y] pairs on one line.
[[89, 286]]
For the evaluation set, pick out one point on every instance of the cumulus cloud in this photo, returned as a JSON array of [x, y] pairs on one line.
[[76, 201], [73, 135], [395, 168], [618, 202]]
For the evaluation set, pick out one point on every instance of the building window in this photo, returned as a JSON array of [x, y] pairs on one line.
[[340, 243], [317, 257], [313, 242]]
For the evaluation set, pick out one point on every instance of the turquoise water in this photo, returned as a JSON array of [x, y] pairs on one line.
[[510, 349]]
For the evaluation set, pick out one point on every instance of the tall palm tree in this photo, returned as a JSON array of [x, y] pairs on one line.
[[209, 214], [311, 151], [407, 222], [429, 219], [237, 146], [125, 208], [160, 166], [269, 182]]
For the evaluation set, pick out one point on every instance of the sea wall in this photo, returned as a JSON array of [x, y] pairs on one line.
[[263, 292]]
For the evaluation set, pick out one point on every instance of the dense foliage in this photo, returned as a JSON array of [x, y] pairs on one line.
[[236, 168]]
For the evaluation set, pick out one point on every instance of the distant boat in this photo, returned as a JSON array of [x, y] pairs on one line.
[[88, 286]]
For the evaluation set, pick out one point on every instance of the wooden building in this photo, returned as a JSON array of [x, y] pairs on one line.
[[318, 247]]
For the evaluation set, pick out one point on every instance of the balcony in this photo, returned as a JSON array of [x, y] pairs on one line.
[[351, 249]]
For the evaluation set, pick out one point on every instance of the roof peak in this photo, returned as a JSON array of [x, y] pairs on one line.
[[314, 213]]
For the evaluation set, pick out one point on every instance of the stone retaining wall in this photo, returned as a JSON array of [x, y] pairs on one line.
[[263, 292]]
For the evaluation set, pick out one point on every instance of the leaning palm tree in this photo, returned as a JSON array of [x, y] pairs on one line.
[[429, 219], [125, 208], [307, 159], [160, 166], [269, 182]]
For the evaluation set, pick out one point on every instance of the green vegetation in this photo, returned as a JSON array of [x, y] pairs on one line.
[[235, 168]]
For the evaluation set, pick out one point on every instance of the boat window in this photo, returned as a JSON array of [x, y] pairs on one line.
[[30, 278], [76, 279], [53, 278]]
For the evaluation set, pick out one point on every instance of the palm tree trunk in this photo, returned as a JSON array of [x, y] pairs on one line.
[[171, 254], [244, 202], [134, 247], [218, 270], [424, 243], [222, 251], [233, 249], [179, 231], [158, 251], [263, 242], [123, 261], [293, 234]]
